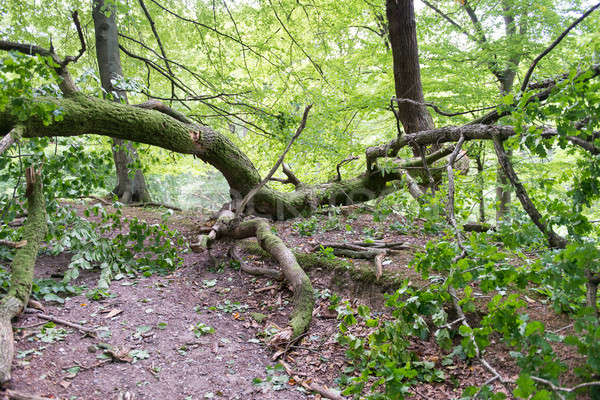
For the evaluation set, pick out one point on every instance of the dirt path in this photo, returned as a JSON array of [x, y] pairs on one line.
[[155, 319]]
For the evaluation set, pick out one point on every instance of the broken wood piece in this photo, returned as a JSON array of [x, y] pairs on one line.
[[379, 265], [475, 227], [61, 321], [309, 384], [36, 305], [14, 245], [264, 289], [14, 395]]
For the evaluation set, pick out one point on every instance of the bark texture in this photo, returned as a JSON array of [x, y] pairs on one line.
[[131, 187], [22, 266], [407, 72], [303, 301]]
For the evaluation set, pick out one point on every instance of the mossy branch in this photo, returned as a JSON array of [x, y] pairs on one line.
[[22, 267]]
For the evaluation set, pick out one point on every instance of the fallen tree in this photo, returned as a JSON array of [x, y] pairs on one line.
[[22, 265]]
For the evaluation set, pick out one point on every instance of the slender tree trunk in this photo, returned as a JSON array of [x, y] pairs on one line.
[[507, 79], [480, 187], [131, 187]]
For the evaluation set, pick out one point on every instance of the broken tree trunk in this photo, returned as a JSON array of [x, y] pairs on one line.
[[22, 269]]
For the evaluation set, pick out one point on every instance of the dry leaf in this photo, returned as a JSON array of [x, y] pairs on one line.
[[113, 313]]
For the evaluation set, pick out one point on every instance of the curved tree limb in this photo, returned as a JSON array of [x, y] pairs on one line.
[[554, 44], [554, 240], [22, 269]]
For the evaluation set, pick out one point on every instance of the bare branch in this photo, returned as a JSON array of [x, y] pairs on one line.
[[317, 66], [553, 45], [344, 161], [159, 42], [83, 48], [438, 110], [451, 21], [255, 190], [554, 240]]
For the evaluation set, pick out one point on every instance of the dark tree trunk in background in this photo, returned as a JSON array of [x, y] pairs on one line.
[[407, 73], [129, 188]]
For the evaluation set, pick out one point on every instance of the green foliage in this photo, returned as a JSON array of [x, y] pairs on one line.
[[18, 75], [276, 379], [307, 227], [201, 329], [50, 333], [115, 244]]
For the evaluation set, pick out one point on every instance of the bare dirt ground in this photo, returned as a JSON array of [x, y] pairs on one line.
[[154, 318]]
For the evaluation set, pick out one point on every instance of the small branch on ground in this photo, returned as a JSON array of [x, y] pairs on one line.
[[14, 395], [100, 199], [475, 227], [14, 245], [83, 329], [155, 204], [556, 389], [310, 384]]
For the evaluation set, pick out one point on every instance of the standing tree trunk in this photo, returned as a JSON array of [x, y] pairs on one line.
[[129, 188], [407, 73]]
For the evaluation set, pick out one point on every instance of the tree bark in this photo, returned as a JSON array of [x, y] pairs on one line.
[[22, 266], [131, 187], [407, 73]]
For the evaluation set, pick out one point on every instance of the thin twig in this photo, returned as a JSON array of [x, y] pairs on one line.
[[255, 190]]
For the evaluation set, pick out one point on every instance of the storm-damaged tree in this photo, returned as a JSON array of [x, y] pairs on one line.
[[156, 124]]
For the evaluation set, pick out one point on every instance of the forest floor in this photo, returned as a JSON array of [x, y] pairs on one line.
[[153, 320]]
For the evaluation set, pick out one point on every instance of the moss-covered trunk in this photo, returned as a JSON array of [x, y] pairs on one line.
[[303, 301], [22, 269]]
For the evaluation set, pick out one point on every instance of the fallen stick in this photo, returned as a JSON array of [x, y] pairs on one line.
[[61, 321], [14, 395], [14, 245], [100, 199], [155, 204], [309, 384]]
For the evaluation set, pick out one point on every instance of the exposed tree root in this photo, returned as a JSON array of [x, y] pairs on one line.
[[375, 250], [303, 301], [337, 268], [234, 253], [22, 269]]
